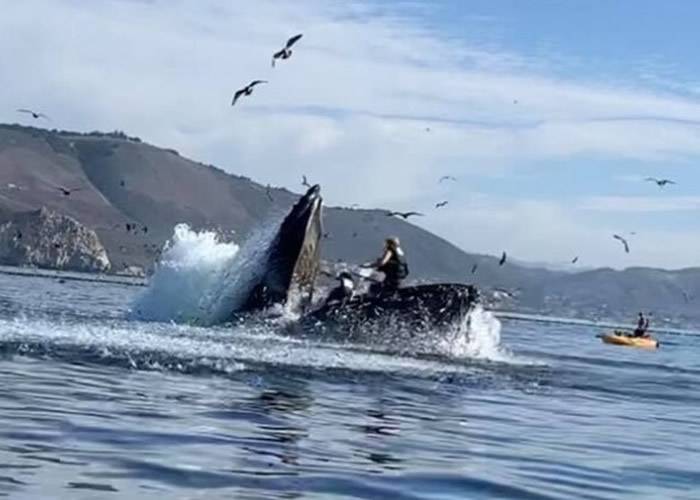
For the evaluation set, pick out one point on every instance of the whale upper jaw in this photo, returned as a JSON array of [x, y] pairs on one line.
[[293, 256]]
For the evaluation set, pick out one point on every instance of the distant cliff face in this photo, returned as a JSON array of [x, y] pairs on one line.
[[43, 238]]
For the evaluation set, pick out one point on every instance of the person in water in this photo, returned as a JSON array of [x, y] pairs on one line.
[[345, 289], [393, 264], [642, 326]]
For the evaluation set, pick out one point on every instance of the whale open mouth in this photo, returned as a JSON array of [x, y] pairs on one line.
[[293, 257]]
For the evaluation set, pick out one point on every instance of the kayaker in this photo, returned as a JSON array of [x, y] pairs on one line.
[[642, 326], [393, 264], [344, 290]]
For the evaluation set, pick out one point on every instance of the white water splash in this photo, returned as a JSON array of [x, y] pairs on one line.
[[238, 279], [201, 279], [479, 336], [191, 264]]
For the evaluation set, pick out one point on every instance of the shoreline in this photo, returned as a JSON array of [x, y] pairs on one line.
[[31, 272]]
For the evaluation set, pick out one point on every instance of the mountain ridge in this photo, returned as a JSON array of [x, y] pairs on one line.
[[119, 180]]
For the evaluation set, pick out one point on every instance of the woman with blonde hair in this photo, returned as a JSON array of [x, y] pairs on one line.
[[393, 264]]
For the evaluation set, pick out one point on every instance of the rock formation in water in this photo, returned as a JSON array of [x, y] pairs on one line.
[[47, 239]]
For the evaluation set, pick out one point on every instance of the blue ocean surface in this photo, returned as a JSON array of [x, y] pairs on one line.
[[96, 405]]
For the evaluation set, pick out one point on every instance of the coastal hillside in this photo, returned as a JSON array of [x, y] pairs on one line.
[[132, 194]]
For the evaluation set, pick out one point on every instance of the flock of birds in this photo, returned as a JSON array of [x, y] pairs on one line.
[[286, 53], [283, 54], [625, 244]]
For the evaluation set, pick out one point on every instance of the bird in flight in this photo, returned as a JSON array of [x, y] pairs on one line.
[[247, 90], [441, 204], [503, 259], [659, 182], [404, 215], [474, 268], [305, 182], [624, 242], [67, 191], [286, 52], [447, 178], [574, 260], [34, 114]]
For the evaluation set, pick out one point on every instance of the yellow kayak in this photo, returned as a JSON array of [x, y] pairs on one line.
[[622, 338]]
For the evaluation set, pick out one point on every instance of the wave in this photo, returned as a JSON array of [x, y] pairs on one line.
[[191, 349]]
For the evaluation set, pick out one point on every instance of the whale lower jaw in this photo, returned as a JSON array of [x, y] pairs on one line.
[[292, 260]]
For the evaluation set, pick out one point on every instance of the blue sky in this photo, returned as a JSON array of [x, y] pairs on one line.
[[550, 113]]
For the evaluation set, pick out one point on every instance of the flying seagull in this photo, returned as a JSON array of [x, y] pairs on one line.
[[624, 242], [659, 182], [447, 178], [503, 259], [305, 182], [286, 52], [404, 215], [574, 260], [441, 204], [247, 90], [474, 268], [34, 114], [66, 191]]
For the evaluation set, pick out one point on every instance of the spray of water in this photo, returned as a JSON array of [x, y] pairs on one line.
[[191, 263], [478, 336], [201, 279]]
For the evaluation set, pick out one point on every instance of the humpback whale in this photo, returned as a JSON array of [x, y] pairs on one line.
[[293, 258], [292, 263], [419, 310]]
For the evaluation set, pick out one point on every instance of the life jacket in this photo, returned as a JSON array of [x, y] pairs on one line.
[[396, 268]]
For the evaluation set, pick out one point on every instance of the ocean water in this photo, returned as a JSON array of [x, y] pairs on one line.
[[95, 403]]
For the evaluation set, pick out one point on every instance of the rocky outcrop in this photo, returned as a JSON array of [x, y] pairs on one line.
[[43, 238]]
